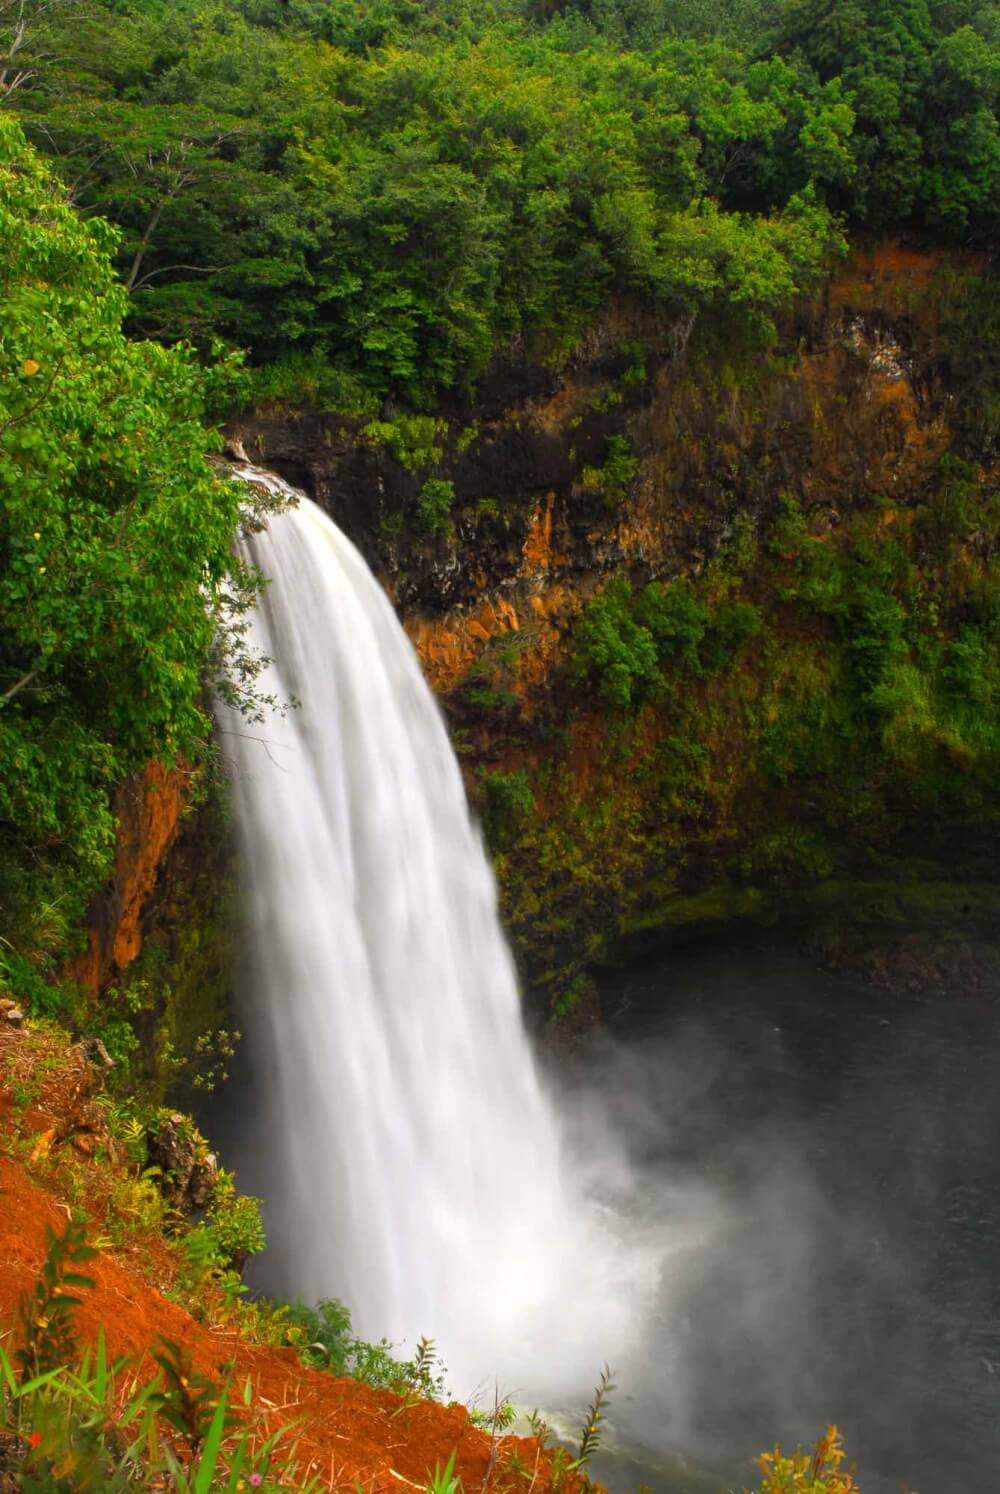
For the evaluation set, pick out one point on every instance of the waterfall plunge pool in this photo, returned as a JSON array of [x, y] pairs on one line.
[[839, 1145], [766, 1196]]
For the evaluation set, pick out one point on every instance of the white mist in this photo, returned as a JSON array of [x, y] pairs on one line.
[[410, 1159]]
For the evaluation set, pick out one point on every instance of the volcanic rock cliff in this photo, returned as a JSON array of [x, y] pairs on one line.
[[663, 453], [861, 397]]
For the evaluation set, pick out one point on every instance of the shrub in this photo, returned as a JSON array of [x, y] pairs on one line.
[[432, 512], [818, 1472], [488, 683], [685, 767], [871, 627], [730, 629], [676, 620], [414, 441], [612, 648], [486, 698], [614, 478], [323, 1338], [970, 669], [46, 1311], [507, 801], [322, 1334], [236, 1224], [421, 1377]]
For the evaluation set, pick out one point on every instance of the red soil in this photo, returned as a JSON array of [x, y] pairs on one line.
[[346, 1433]]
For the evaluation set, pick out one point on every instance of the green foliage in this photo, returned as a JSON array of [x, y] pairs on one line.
[[323, 1338], [896, 686], [871, 624], [46, 1311], [432, 511], [629, 641], [729, 631], [21, 980], [566, 997], [488, 683], [611, 646], [676, 621], [115, 1021], [763, 738], [590, 1436], [614, 478], [508, 801], [56, 1431], [422, 1376], [118, 590], [379, 208], [444, 1480], [203, 1261], [415, 441], [484, 697], [635, 355], [211, 1053], [304, 377], [500, 1419], [235, 1223], [378, 199], [970, 676], [186, 1400], [685, 768], [322, 1334], [924, 91]]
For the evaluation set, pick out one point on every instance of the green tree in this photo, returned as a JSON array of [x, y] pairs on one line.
[[612, 648], [115, 567], [926, 143], [386, 218]]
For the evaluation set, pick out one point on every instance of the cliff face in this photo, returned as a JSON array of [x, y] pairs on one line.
[[160, 934], [659, 455], [860, 399], [149, 813]]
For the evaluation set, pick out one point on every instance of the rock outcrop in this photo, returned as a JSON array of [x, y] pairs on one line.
[[149, 810], [861, 398], [642, 456], [648, 455]]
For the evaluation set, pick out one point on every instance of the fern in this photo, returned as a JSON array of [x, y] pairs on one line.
[[134, 1139]]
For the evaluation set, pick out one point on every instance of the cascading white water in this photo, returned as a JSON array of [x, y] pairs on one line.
[[409, 1157]]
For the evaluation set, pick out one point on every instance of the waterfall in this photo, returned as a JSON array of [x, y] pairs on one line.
[[410, 1159]]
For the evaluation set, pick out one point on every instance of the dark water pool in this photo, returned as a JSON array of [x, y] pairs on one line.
[[834, 1151]]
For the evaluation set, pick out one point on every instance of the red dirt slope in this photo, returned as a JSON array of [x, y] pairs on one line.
[[349, 1434]]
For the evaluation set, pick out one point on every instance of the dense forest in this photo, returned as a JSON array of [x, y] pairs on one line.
[[376, 200], [360, 208]]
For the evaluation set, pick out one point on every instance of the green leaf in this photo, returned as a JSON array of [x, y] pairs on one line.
[[210, 1453]]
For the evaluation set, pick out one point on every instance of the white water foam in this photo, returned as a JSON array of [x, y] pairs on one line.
[[411, 1161]]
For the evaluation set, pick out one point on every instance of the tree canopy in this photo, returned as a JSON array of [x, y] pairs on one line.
[[115, 534], [377, 198]]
